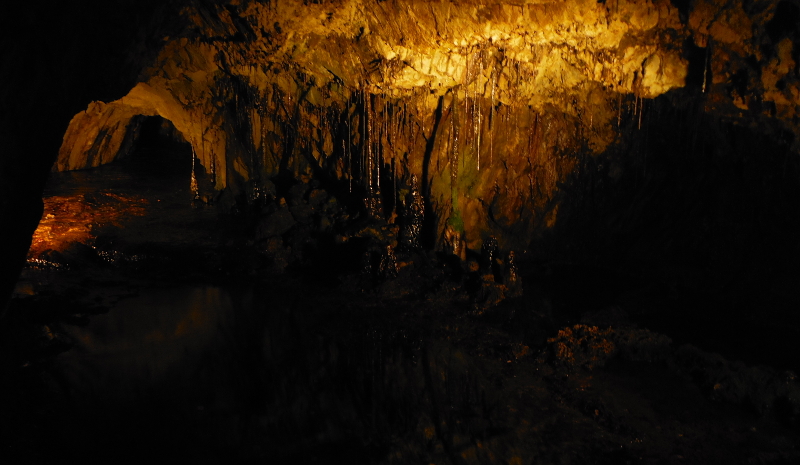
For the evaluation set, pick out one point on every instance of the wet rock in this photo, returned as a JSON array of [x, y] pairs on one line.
[[277, 256], [97, 199], [489, 251], [413, 217], [511, 277], [317, 197], [455, 243], [331, 206], [589, 347], [374, 205], [324, 223], [78, 253], [260, 192], [581, 346], [328, 214], [275, 224], [268, 189], [378, 262], [53, 257], [489, 293], [303, 213], [490, 255], [378, 235], [296, 194], [387, 268]]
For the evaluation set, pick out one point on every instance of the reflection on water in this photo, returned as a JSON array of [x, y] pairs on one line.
[[267, 371], [161, 336], [117, 200]]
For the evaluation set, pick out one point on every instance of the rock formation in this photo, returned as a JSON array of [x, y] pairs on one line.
[[492, 104]]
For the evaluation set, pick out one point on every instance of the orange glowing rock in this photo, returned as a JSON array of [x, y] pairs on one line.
[[69, 219]]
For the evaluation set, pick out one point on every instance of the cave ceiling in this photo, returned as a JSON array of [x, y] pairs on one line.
[[486, 102]]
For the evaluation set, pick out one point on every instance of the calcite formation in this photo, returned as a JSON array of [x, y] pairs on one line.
[[488, 103]]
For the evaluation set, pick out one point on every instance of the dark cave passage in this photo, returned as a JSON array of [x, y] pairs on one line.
[[695, 240], [158, 149]]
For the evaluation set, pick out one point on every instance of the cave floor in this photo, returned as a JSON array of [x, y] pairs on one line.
[[152, 332]]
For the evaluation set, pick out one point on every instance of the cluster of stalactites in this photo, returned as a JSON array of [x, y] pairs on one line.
[[455, 145]]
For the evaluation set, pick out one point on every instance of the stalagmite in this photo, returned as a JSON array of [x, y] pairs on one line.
[[413, 217], [387, 268]]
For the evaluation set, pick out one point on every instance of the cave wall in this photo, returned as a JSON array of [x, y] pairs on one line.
[[483, 103], [492, 105], [489, 104]]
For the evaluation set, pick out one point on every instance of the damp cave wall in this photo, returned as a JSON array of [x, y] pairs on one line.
[[494, 106], [484, 104], [557, 103]]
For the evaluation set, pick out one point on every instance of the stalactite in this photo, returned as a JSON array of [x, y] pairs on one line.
[[370, 143], [363, 138], [508, 129], [411, 140], [394, 182], [705, 65], [263, 135], [479, 108], [491, 124], [454, 158], [468, 76], [641, 110], [372, 154], [193, 184], [213, 158], [450, 137], [379, 149], [349, 154], [533, 147]]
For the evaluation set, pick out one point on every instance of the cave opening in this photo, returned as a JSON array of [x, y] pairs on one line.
[[157, 148]]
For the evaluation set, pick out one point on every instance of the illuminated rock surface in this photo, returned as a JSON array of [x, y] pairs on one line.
[[490, 105]]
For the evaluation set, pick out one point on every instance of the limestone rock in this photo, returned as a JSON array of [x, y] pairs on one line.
[[276, 224], [488, 104]]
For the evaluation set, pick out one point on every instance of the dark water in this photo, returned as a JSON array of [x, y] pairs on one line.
[[208, 373], [189, 364], [181, 338], [181, 360]]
